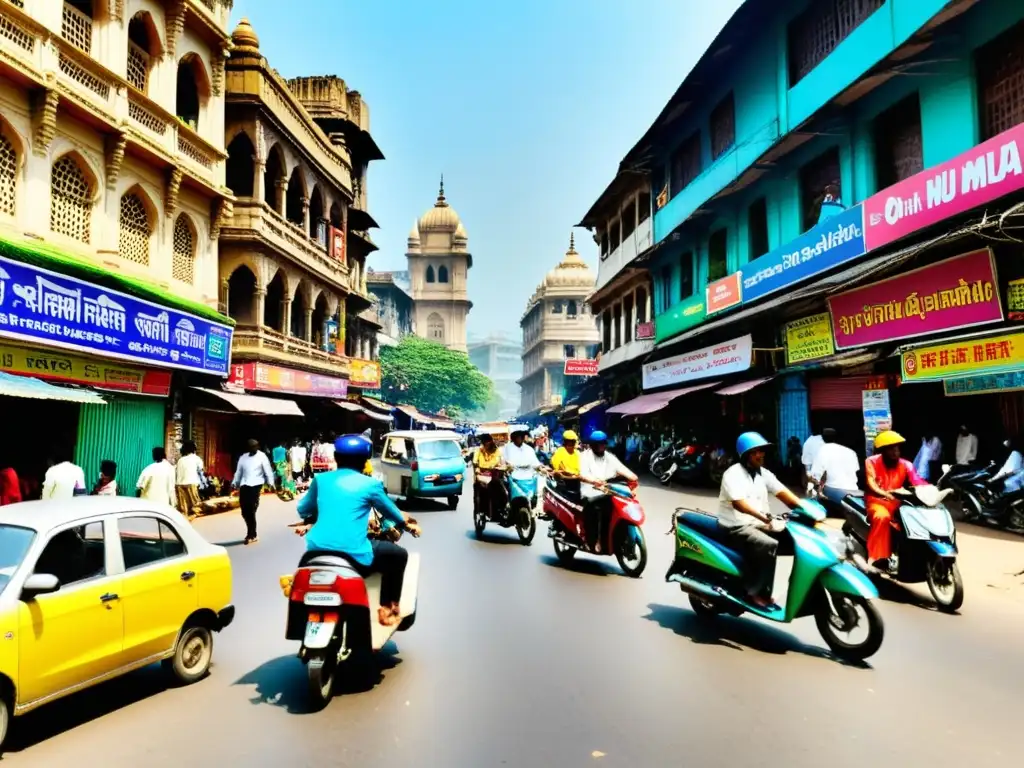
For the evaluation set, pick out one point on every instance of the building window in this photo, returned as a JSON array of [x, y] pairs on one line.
[[192, 90], [718, 259], [442, 274], [616, 235], [1000, 68], [898, 150], [70, 199], [569, 351], [604, 245], [818, 31], [643, 207], [556, 308], [134, 229], [435, 327], [140, 50], [628, 219], [723, 127], [571, 309], [184, 260], [641, 305], [8, 176], [627, 313], [686, 275], [757, 224], [76, 24], [666, 288], [819, 179], [617, 323], [686, 164], [430, 273], [606, 329]]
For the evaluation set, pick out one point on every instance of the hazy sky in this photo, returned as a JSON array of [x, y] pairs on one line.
[[525, 106]]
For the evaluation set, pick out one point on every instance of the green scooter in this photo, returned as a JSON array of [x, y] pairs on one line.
[[822, 584]]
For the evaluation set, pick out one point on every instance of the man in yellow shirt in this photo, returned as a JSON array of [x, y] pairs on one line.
[[566, 461], [488, 457]]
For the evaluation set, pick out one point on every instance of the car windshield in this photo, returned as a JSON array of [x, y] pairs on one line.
[[14, 543], [438, 449]]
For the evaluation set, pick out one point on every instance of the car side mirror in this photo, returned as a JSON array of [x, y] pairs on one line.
[[39, 584]]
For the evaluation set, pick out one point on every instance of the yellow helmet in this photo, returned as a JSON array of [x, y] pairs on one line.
[[887, 438], [569, 435]]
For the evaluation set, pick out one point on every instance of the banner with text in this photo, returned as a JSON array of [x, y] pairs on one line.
[[680, 317], [581, 367], [42, 306], [961, 292], [72, 369], [724, 293], [981, 385], [273, 378], [966, 356], [732, 356], [809, 338], [364, 374]]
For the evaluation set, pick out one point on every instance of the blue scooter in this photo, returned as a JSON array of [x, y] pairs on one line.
[[519, 509]]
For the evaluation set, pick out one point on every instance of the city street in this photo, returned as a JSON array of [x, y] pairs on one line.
[[516, 661]]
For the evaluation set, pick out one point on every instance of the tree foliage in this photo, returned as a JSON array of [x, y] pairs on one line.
[[431, 377]]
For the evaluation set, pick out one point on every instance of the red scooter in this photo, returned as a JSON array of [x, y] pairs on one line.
[[622, 534]]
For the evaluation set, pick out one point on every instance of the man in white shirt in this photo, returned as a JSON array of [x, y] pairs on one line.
[[187, 477], [517, 453], [253, 472], [811, 447], [156, 483], [64, 480], [966, 446], [297, 459], [597, 467], [835, 468], [744, 510]]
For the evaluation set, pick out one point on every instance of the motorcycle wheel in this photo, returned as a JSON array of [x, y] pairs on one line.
[[563, 552], [526, 527], [702, 608], [946, 586], [479, 522], [632, 556], [846, 605], [320, 671]]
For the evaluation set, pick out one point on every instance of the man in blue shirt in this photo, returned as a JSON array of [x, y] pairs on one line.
[[338, 505]]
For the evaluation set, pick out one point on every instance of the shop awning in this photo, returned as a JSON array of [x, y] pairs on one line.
[[348, 405], [590, 406], [34, 389], [743, 386], [264, 406], [639, 406], [373, 402]]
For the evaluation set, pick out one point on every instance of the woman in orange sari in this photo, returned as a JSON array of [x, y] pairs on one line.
[[884, 473]]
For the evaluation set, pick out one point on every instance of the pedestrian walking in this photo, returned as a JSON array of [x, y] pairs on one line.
[[297, 459], [253, 472], [106, 485], [156, 483], [279, 457], [63, 480], [187, 477]]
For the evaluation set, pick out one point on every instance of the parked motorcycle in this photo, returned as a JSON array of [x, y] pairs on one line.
[[822, 585], [521, 495], [682, 463], [332, 609], [970, 485], [924, 542], [623, 535]]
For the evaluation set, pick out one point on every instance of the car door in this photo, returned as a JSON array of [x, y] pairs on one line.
[[393, 463], [75, 634], [160, 588]]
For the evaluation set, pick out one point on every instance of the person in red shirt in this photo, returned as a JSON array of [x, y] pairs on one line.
[[884, 473]]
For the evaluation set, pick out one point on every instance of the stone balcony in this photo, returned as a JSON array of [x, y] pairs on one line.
[[269, 346]]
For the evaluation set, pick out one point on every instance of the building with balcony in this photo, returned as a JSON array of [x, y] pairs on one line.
[[499, 358], [557, 326], [439, 264], [395, 306], [291, 275]]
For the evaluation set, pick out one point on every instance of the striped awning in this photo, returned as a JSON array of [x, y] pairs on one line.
[[35, 389]]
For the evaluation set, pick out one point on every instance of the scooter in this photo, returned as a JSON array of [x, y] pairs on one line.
[[684, 463], [623, 534], [924, 542], [971, 486], [332, 609], [822, 585], [518, 511]]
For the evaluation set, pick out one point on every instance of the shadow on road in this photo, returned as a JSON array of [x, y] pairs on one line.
[[894, 592], [490, 537], [422, 505], [585, 565], [739, 634]]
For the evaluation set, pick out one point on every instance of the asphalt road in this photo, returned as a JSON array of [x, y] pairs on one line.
[[516, 661]]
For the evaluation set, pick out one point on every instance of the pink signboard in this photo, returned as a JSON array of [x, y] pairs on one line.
[[955, 293], [978, 176]]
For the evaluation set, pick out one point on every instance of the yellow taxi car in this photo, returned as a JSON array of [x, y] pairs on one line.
[[94, 587]]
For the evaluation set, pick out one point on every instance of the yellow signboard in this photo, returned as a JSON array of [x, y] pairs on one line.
[[966, 357], [809, 338], [72, 369]]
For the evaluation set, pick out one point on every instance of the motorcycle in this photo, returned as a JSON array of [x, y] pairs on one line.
[[970, 484], [519, 509], [822, 584], [684, 463], [924, 542], [332, 610], [623, 535]]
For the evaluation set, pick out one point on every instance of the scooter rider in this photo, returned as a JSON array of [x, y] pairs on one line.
[[883, 473], [488, 457], [1011, 474], [339, 503], [517, 454], [744, 511], [597, 467]]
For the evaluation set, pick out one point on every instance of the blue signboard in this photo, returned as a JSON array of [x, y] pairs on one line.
[[990, 382], [42, 306], [829, 244]]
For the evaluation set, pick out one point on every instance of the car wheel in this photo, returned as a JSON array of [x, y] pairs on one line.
[[5, 719], [453, 502], [192, 655]]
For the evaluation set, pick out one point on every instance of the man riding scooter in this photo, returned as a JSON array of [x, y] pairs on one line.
[[884, 473], [744, 510], [598, 466], [488, 458]]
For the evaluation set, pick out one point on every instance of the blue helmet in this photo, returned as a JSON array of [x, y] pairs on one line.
[[748, 441], [356, 446], [597, 436]]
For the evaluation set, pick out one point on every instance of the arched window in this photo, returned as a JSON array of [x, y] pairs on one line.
[[143, 49], [8, 175], [193, 89], [317, 223], [242, 295], [134, 229], [70, 199], [273, 174], [435, 327], [442, 274], [556, 308], [240, 170], [570, 308], [430, 273], [293, 202], [183, 266]]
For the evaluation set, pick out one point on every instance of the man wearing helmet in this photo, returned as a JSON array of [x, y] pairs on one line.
[[744, 510], [884, 473], [597, 467], [337, 507]]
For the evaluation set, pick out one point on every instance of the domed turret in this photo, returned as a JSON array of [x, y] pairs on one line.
[[414, 238], [442, 217], [244, 38], [571, 271]]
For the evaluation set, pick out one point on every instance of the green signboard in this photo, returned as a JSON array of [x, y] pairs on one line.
[[977, 385], [680, 317]]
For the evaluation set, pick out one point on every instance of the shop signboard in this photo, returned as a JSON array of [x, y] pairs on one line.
[[877, 415], [364, 374], [680, 317], [976, 177], [37, 305], [950, 359], [809, 338], [961, 292], [51, 365], [724, 293], [330, 331], [832, 242], [575, 367], [644, 331], [338, 244], [273, 378], [1012, 381], [1015, 299], [731, 356]]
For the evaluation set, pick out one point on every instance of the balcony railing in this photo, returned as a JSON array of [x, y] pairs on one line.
[[272, 346]]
